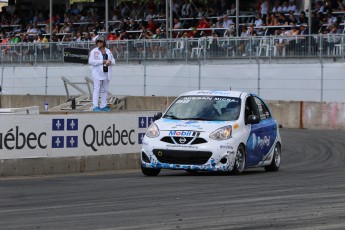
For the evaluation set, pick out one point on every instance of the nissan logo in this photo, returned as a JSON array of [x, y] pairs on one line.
[[182, 140]]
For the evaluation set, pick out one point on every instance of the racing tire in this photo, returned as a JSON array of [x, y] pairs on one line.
[[150, 171], [275, 163], [240, 161]]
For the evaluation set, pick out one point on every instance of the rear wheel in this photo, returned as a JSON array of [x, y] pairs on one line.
[[150, 171], [275, 164], [240, 161]]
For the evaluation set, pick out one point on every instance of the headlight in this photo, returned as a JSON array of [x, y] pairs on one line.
[[222, 133], [152, 131]]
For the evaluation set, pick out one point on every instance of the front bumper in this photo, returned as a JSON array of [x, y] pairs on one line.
[[202, 158]]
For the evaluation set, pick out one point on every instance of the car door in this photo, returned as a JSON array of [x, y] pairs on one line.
[[253, 150], [267, 130]]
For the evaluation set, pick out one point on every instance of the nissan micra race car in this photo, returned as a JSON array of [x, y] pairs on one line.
[[209, 130]]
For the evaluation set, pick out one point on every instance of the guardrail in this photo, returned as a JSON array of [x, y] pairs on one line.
[[186, 49]]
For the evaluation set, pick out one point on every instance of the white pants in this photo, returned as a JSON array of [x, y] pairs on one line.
[[100, 90]]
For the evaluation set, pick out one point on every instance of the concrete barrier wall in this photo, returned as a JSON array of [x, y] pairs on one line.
[[289, 82], [19, 101], [63, 165]]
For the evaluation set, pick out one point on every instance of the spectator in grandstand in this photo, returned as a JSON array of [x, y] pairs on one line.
[[219, 23], [227, 21], [74, 9], [125, 11], [277, 8], [116, 16], [201, 12], [292, 19], [158, 47], [186, 9], [315, 23], [43, 43], [78, 37], [258, 20], [272, 20], [101, 59], [247, 46], [94, 35], [219, 29], [333, 38], [304, 41], [86, 37], [65, 28], [330, 19], [291, 6], [5, 17], [330, 5], [133, 25], [194, 33], [264, 9], [151, 25], [203, 25], [151, 15], [161, 7], [302, 18], [150, 6], [177, 26], [340, 7], [16, 20], [282, 19], [232, 11], [285, 7], [319, 7]]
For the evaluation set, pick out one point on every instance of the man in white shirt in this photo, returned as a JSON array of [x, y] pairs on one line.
[[101, 60]]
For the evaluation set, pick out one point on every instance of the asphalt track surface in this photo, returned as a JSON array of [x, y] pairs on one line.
[[307, 193]]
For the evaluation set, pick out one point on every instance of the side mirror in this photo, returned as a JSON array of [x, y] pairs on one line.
[[253, 119], [157, 116]]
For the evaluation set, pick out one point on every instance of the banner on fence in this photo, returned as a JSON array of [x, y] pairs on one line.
[[76, 55]]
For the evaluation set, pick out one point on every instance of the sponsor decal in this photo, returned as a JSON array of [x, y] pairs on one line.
[[262, 142], [67, 133], [212, 92], [72, 141], [58, 125], [187, 126], [181, 133], [14, 138], [182, 146], [226, 147], [72, 124], [110, 137], [227, 99], [142, 122], [141, 138], [61, 141], [58, 142]]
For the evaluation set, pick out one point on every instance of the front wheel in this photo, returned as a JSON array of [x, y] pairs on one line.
[[275, 164], [240, 161], [150, 171]]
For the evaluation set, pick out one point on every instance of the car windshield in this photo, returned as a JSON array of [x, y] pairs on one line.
[[208, 108]]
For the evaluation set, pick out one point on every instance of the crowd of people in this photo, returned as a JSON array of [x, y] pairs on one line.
[[191, 19]]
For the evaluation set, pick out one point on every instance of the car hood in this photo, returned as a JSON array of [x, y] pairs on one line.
[[192, 125]]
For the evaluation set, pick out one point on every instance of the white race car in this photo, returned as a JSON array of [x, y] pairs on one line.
[[210, 130]]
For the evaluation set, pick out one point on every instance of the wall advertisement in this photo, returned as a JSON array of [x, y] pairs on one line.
[[37, 136]]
